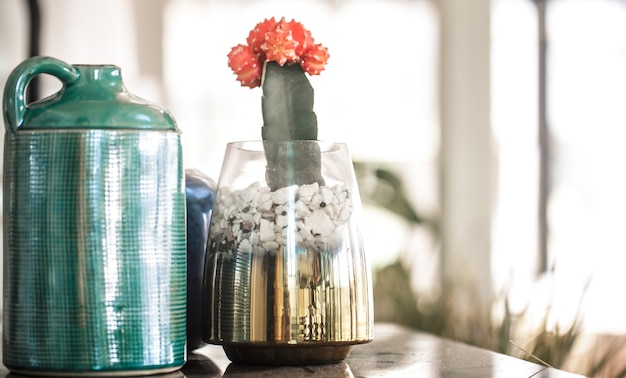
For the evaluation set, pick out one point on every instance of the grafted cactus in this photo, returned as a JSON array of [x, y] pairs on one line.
[[277, 57]]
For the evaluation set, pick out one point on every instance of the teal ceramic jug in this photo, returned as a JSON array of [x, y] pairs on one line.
[[94, 227]]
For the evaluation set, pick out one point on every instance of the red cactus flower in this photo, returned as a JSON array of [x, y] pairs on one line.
[[302, 36], [279, 41], [315, 60], [279, 45], [257, 35], [246, 65]]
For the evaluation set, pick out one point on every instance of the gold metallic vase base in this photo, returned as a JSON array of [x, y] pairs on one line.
[[287, 355]]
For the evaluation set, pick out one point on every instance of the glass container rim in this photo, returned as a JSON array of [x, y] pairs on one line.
[[256, 145]]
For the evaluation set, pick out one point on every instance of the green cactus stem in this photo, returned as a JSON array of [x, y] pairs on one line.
[[288, 118]]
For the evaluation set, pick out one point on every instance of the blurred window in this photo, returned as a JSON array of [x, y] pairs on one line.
[[378, 91], [585, 119]]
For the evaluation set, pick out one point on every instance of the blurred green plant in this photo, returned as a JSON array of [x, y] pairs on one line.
[[396, 301], [380, 186]]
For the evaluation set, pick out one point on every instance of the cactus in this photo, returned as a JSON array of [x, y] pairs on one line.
[[288, 115], [277, 57]]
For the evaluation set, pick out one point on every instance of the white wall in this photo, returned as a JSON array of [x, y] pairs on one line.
[[385, 104]]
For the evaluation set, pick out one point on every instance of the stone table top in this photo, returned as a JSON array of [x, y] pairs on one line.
[[395, 352]]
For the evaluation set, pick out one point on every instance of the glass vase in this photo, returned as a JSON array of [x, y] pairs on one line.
[[286, 277]]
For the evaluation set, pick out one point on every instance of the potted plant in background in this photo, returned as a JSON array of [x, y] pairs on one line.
[[286, 279]]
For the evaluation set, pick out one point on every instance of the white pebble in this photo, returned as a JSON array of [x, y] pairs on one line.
[[316, 201], [344, 214], [248, 194], [327, 196], [245, 246], [306, 192], [270, 245], [266, 232], [321, 224], [266, 205], [283, 195], [281, 221]]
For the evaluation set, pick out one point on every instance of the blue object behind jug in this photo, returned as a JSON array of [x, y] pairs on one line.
[[200, 191]]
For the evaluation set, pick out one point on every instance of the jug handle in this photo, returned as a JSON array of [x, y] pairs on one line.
[[15, 89]]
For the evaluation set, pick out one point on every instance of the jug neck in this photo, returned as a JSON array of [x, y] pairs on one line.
[[99, 81]]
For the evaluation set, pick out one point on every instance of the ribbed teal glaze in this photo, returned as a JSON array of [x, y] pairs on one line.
[[94, 228], [96, 251]]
